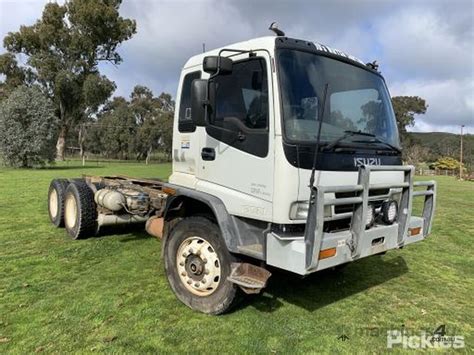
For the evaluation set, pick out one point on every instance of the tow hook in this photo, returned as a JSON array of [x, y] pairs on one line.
[[250, 278], [350, 244]]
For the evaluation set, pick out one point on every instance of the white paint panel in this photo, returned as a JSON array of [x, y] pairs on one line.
[[286, 182], [183, 179], [238, 203]]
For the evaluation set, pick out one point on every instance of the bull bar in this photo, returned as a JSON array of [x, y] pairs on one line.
[[313, 236]]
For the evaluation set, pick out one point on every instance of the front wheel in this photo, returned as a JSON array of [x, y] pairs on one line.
[[197, 265]]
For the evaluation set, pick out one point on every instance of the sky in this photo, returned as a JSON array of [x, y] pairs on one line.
[[424, 47]]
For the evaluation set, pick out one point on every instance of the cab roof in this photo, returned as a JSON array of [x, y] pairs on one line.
[[271, 42], [267, 42]]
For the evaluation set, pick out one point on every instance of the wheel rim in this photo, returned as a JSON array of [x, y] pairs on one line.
[[70, 211], [199, 267], [53, 203]]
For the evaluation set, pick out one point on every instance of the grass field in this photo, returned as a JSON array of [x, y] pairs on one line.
[[110, 293]]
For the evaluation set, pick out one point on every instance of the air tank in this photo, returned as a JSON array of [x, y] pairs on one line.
[[110, 199]]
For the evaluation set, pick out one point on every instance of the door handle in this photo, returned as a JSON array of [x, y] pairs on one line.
[[208, 154]]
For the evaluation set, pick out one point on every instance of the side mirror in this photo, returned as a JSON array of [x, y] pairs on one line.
[[213, 64], [198, 101]]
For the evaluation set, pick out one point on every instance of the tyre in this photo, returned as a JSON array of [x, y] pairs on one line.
[[56, 193], [197, 265], [80, 211]]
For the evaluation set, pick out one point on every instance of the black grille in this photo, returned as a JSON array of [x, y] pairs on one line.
[[349, 208], [343, 209], [376, 192]]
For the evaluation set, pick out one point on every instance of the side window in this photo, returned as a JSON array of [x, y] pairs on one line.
[[240, 116], [185, 124]]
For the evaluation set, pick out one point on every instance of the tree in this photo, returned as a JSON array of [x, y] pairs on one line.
[[415, 154], [148, 138], [136, 127], [14, 75], [118, 129], [406, 107], [154, 115], [446, 163], [142, 103], [166, 122], [29, 128], [63, 51]]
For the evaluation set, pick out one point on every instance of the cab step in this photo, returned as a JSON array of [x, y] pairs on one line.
[[250, 278]]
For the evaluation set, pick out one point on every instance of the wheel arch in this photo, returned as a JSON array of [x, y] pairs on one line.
[[187, 203]]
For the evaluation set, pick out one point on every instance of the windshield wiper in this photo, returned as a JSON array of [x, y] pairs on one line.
[[347, 134], [318, 140], [381, 141]]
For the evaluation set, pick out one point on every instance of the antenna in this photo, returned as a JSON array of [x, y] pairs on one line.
[[204, 47], [274, 27]]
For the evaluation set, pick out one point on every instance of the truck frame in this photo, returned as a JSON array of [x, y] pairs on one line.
[[266, 173]]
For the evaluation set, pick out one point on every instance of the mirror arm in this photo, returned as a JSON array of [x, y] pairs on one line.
[[207, 102], [219, 55]]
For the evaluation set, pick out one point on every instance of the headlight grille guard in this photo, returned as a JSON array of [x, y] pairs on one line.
[[315, 221]]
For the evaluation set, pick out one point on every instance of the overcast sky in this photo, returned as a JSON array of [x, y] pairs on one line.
[[424, 48]]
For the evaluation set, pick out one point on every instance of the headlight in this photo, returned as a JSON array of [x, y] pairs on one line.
[[370, 216], [299, 210], [389, 211]]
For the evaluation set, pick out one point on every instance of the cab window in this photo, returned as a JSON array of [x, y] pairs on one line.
[[240, 115], [185, 123]]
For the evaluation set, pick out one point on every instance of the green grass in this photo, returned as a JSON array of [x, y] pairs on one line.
[[111, 294]]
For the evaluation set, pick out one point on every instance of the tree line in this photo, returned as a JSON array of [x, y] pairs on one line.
[[130, 129], [440, 150]]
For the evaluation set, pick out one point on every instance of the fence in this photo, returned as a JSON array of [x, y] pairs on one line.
[[439, 172], [87, 159]]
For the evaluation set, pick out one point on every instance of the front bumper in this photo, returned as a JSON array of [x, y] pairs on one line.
[[301, 254]]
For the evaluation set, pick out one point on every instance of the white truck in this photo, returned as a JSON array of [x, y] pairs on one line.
[[285, 154]]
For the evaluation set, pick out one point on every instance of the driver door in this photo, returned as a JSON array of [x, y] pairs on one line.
[[236, 162]]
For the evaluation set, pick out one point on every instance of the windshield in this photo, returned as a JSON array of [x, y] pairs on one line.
[[357, 100]]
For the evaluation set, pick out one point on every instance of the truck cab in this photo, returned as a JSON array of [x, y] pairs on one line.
[[253, 147]]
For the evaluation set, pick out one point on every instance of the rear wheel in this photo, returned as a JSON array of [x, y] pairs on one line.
[[56, 193], [80, 211], [197, 265]]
